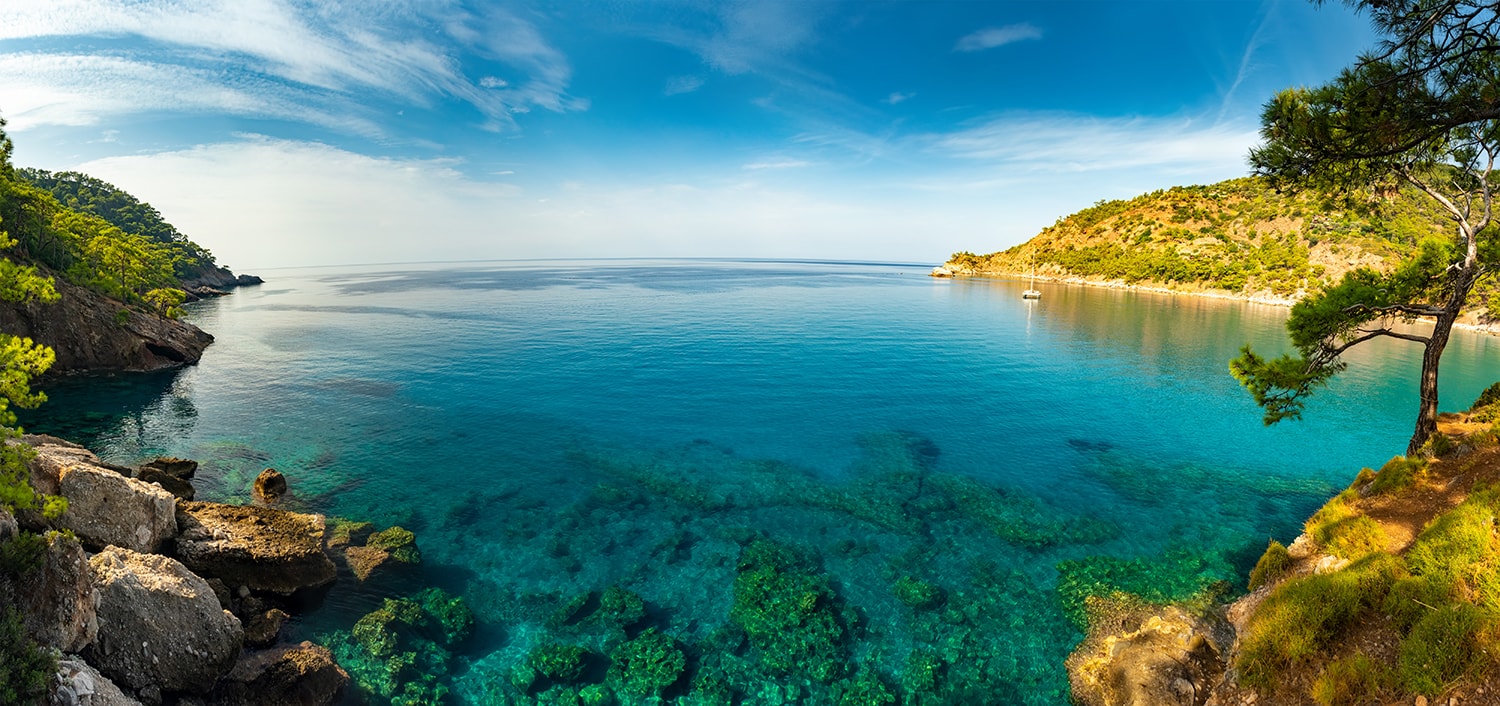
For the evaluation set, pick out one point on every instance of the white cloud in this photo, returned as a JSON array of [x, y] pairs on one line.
[[1073, 143], [339, 50], [991, 37], [778, 164], [899, 97], [678, 85], [493, 82]]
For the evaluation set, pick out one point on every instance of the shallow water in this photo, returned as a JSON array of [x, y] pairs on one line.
[[556, 428]]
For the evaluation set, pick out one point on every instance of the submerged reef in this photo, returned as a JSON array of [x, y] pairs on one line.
[[695, 577]]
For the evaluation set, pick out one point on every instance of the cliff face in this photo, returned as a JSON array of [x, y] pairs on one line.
[[89, 333]]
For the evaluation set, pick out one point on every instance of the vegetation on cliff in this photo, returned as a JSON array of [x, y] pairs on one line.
[[94, 235], [1410, 606], [1240, 236]]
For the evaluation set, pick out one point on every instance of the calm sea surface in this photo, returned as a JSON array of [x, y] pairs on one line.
[[551, 429]]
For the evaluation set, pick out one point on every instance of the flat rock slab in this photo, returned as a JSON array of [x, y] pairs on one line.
[[106, 508], [160, 625], [261, 548]]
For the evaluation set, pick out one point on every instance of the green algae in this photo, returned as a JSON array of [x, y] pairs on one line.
[[646, 665], [918, 594], [1177, 575], [403, 651], [788, 612], [400, 542]]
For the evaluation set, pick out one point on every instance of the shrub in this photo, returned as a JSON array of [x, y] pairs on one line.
[[1273, 563], [25, 668], [1343, 531], [1399, 473], [1351, 681], [1491, 394], [1302, 616], [1443, 646]]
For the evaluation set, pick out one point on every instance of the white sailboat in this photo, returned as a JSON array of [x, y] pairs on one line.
[[1031, 291]]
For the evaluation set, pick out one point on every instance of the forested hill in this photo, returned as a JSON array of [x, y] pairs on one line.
[[1238, 237]]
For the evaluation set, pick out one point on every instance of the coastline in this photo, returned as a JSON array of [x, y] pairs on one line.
[[1267, 298]]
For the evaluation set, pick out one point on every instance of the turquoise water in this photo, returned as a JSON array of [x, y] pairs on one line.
[[551, 429]]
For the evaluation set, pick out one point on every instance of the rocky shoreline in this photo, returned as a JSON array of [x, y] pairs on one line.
[[151, 598]]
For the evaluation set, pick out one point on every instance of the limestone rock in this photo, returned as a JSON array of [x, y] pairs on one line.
[[1161, 659], [270, 485], [106, 508], [293, 675], [53, 455], [160, 627], [78, 684], [261, 548], [57, 601], [176, 467], [89, 331]]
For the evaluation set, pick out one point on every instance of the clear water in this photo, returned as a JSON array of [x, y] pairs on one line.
[[553, 428]]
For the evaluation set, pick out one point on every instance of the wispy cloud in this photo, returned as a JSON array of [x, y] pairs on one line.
[[339, 51], [991, 37], [779, 164], [68, 89], [899, 97], [678, 85], [1073, 143]]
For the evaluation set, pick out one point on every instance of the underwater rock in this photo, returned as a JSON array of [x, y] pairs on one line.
[[401, 651], [170, 483], [342, 532], [292, 675], [364, 561], [106, 508], [261, 548], [387, 548], [160, 625], [78, 684], [181, 468], [647, 665], [269, 486], [57, 600], [917, 593], [788, 612], [1146, 657]]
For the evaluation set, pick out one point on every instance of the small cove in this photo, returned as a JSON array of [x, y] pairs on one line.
[[554, 428]]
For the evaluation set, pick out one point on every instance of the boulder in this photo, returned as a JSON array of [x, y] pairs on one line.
[[52, 456], [262, 628], [78, 684], [161, 628], [57, 600], [248, 280], [1149, 656], [260, 548], [293, 675], [270, 485], [106, 508]]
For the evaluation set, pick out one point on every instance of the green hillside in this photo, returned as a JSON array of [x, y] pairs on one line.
[[1238, 237]]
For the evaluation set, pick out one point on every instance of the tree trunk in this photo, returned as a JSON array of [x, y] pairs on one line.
[[1431, 356]]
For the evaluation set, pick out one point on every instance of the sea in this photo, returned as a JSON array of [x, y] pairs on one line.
[[940, 471]]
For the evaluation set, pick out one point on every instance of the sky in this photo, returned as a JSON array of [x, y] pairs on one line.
[[290, 133]]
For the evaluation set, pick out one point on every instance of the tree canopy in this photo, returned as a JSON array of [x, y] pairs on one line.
[[1423, 109]]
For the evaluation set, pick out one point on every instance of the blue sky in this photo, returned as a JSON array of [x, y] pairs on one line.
[[278, 132]]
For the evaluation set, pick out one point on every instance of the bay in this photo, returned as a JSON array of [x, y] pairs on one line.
[[555, 428]]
